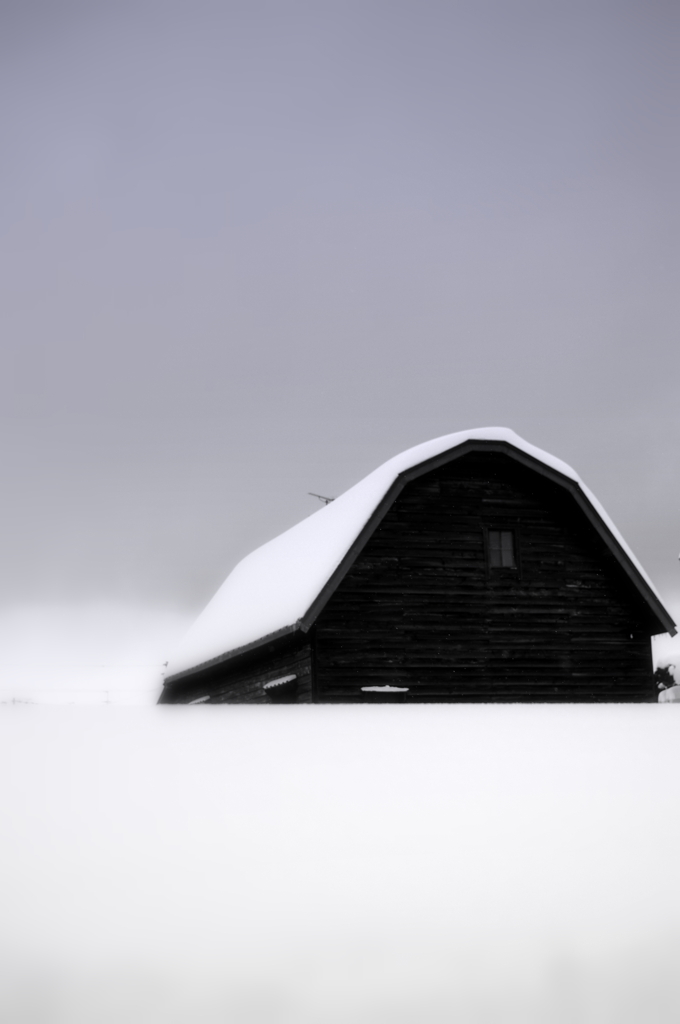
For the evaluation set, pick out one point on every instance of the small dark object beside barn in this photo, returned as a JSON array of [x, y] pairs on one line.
[[472, 568]]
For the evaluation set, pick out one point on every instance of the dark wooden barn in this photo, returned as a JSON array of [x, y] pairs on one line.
[[472, 568]]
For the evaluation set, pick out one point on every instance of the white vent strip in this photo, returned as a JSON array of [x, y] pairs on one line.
[[384, 689], [200, 700], [279, 682]]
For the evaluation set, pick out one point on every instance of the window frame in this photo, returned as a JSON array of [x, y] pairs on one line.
[[503, 570]]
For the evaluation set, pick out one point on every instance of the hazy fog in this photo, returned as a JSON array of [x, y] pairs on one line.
[[250, 250]]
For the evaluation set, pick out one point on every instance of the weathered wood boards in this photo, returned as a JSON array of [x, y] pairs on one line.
[[423, 607], [244, 680]]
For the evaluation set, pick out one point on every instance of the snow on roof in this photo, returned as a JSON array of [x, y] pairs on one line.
[[272, 588]]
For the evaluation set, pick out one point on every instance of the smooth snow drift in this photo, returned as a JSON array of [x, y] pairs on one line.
[[273, 587]]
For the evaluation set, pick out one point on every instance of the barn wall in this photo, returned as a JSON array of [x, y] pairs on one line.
[[420, 608], [242, 681]]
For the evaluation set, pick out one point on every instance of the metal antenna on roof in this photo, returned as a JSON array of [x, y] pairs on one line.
[[321, 497]]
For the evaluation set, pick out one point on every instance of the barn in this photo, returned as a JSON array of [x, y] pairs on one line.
[[474, 567]]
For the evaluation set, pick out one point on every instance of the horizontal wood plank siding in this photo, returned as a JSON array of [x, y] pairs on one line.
[[421, 608], [242, 681]]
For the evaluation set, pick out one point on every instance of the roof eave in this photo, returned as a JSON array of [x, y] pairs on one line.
[[236, 652]]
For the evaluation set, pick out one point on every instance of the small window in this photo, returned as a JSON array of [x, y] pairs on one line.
[[502, 549]]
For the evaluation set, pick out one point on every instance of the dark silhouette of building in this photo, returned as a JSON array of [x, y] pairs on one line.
[[471, 568]]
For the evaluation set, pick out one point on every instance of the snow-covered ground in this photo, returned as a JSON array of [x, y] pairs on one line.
[[310, 864]]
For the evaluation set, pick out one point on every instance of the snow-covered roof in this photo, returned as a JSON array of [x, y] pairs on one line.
[[273, 589]]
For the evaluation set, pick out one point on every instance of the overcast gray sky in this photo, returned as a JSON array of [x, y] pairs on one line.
[[253, 249]]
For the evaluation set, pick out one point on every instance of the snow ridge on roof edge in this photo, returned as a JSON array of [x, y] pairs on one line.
[[271, 589]]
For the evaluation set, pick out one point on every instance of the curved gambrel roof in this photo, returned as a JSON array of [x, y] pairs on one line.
[[282, 586]]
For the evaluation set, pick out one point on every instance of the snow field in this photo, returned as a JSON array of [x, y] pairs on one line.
[[328, 863]]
